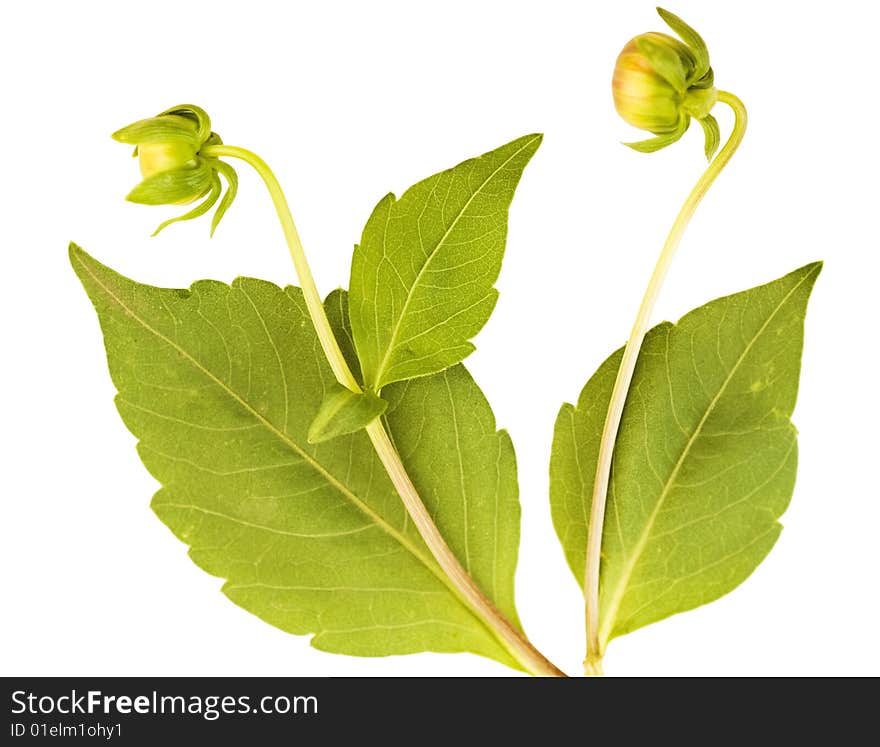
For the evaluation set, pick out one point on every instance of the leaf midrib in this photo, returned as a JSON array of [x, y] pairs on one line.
[[623, 583], [342, 488], [377, 379]]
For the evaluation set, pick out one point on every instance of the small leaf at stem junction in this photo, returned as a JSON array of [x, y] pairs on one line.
[[343, 411]]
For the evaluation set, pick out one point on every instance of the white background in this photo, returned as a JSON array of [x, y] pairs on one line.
[[347, 102]]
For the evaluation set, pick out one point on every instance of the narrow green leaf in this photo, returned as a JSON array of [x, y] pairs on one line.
[[220, 383], [705, 459], [231, 191], [712, 134], [343, 411], [690, 37], [653, 144], [422, 278], [199, 210], [159, 130], [170, 187]]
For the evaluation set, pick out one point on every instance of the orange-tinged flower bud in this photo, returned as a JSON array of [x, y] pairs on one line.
[[660, 83], [642, 95]]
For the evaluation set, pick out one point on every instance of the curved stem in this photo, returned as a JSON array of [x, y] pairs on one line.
[[313, 301], [595, 644], [512, 639]]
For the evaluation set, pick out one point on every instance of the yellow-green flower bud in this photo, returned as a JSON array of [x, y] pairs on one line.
[[156, 157], [661, 82], [643, 95], [174, 169]]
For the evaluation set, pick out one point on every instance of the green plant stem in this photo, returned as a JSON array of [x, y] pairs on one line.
[[313, 301], [513, 640], [597, 639]]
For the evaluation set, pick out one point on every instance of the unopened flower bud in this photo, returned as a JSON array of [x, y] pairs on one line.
[[174, 169], [661, 82], [156, 157], [642, 95]]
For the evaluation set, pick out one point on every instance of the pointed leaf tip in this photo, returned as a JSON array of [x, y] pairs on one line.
[[712, 134], [416, 305], [690, 37]]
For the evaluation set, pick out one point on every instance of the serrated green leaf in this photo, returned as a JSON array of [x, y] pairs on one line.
[[705, 460], [422, 278], [343, 411], [220, 383]]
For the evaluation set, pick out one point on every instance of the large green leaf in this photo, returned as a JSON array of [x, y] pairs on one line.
[[705, 460], [422, 278], [220, 384]]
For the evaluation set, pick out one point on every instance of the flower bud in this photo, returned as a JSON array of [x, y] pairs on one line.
[[156, 157], [642, 95], [174, 170], [661, 82]]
